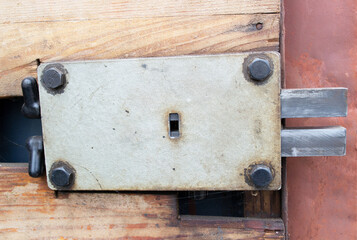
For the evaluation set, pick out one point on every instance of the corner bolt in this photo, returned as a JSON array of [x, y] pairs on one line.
[[259, 69]]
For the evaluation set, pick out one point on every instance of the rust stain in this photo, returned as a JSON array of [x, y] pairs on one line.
[[309, 69], [136, 225], [273, 40], [8, 230], [111, 226]]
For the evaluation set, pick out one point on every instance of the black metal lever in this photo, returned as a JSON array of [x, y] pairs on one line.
[[37, 159], [31, 107]]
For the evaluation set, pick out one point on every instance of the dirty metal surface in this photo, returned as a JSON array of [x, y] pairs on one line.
[[321, 51], [111, 123], [306, 103], [318, 141]]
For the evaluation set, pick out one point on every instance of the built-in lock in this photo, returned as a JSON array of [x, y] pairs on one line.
[[237, 146]]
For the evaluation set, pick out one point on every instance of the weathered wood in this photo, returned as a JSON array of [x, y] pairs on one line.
[[29, 210], [262, 204], [37, 11], [83, 29], [24, 43]]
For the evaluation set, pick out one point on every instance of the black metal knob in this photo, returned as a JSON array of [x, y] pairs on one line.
[[37, 159], [259, 69], [31, 107], [54, 78], [62, 176], [261, 175]]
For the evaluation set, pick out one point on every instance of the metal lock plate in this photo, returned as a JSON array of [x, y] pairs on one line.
[[172, 123]]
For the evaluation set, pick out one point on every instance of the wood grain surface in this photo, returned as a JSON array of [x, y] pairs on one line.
[[29, 210], [24, 44], [262, 204], [67, 10], [44, 31]]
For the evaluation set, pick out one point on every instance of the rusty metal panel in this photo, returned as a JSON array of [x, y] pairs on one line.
[[321, 51], [111, 123]]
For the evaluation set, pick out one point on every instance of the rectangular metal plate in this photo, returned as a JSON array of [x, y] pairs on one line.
[[110, 123]]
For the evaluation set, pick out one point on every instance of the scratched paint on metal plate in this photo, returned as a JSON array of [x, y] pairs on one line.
[[110, 123]]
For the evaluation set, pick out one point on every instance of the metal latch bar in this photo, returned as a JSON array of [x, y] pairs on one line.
[[320, 141], [307, 103]]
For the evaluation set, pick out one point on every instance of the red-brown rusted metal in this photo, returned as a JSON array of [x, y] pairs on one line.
[[321, 51]]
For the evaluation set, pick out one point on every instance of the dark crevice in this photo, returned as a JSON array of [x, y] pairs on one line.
[[15, 129], [213, 203], [38, 62]]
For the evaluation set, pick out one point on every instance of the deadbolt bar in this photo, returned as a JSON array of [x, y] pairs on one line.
[[320, 141], [307, 103]]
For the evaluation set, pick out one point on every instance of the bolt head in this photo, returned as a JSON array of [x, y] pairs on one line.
[[54, 78], [261, 175], [62, 176], [259, 69]]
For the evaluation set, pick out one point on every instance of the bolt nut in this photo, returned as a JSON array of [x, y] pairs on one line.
[[259, 69], [261, 176], [62, 176], [53, 78]]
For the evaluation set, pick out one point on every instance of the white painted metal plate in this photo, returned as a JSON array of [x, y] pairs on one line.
[[110, 123]]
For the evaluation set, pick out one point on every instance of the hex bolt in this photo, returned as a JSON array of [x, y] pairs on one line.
[[54, 78], [261, 175], [259, 69], [62, 176]]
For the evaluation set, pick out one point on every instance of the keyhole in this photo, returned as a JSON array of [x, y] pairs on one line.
[[174, 125]]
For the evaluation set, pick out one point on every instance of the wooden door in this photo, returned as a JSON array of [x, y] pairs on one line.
[[33, 32]]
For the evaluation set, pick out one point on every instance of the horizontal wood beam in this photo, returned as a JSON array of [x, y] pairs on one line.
[[24, 44], [67, 10], [29, 209]]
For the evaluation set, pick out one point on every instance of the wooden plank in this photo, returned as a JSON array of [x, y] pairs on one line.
[[10, 79], [24, 43], [262, 204], [67, 10], [29, 210]]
